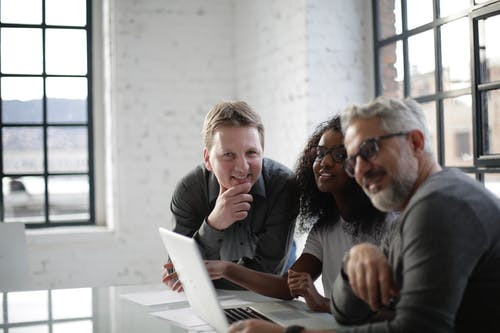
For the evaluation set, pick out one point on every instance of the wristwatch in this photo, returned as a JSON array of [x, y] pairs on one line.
[[294, 329]]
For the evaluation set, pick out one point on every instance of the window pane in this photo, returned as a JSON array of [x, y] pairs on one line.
[[21, 11], [66, 51], [492, 183], [389, 18], [66, 12], [71, 303], [448, 7], [26, 306], [491, 125], [24, 199], [455, 54], [419, 12], [81, 326], [67, 149], [421, 57], [391, 70], [458, 131], [21, 51], [68, 198], [30, 329], [22, 99], [430, 116], [22, 149], [66, 100], [489, 48]]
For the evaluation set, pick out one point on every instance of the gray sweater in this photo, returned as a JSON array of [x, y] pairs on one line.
[[445, 258]]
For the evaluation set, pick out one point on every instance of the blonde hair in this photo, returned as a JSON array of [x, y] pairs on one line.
[[236, 114]]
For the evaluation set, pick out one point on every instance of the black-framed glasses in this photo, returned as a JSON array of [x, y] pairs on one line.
[[368, 149], [337, 153]]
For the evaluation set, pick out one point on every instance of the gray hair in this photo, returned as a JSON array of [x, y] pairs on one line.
[[396, 115]]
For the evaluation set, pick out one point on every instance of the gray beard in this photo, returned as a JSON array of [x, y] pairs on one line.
[[398, 192], [394, 196]]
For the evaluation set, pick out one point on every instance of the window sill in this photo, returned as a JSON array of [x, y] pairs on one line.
[[85, 234]]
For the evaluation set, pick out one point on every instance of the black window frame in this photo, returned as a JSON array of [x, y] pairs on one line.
[[482, 164], [45, 125]]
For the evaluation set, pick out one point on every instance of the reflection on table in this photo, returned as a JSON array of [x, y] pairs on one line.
[[80, 310]]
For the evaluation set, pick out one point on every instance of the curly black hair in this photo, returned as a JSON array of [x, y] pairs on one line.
[[318, 207]]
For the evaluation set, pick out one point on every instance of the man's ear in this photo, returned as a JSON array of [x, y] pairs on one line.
[[417, 140], [206, 159]]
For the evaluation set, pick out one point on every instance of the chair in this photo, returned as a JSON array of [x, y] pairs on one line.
[[14, 266]]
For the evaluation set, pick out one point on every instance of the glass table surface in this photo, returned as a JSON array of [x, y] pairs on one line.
[[82, 310], [105, 310]]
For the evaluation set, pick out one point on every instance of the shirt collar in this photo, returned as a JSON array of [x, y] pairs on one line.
[[259, 188]]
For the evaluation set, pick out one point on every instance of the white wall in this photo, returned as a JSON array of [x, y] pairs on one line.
[[271, 73], [169, 61], [340, 56]]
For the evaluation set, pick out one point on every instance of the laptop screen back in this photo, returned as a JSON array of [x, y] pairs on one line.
[[190, 268]]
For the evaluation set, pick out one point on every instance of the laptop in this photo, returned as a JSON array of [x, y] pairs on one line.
[[200, 292]]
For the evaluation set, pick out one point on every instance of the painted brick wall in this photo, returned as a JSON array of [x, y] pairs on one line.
[[270, 61], [170, 61], [295, 61]]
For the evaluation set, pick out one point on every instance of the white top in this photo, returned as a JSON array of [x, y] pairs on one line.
[[328, 243]]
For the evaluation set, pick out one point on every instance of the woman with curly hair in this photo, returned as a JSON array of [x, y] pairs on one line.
[[335, 210]]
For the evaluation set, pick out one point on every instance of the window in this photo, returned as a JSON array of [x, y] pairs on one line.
[[45, 112], [61, 310], [445, 54]]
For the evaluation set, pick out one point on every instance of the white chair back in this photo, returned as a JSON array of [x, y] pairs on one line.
[[14, 265]]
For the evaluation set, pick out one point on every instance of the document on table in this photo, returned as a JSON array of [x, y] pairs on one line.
[[186, 318], [157, 297], [226, 298]]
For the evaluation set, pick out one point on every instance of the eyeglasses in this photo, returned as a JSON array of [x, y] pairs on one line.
[[368, 149], [337, 153]]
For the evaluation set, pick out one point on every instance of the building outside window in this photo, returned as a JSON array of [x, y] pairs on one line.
[[445, 54], [46, 163]]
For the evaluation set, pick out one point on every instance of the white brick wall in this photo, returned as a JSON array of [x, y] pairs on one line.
[[340, 70], [295, 61]]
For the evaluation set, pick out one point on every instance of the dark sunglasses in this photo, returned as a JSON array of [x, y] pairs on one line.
[[337, 153], [368, 149]]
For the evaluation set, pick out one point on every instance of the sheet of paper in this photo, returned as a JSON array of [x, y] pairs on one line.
[[149, 298], [202, 328], [184, 317]]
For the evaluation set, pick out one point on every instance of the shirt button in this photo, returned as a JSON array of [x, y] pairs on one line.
[[241, 243]]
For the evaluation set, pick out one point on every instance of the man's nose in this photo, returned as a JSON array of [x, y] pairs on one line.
[[242, 164], [362, 166]]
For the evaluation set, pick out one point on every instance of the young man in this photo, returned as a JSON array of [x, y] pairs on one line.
[[441, 271], [237, 205]]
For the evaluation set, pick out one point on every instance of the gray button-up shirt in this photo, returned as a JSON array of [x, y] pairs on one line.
[[263, 239]]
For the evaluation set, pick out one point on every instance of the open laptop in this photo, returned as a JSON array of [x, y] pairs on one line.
[[200, 292]]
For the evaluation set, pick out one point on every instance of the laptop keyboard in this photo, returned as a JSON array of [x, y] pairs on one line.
[[236, 314]]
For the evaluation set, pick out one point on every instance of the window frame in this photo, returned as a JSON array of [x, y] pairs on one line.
[[482, 164], [44, 125]]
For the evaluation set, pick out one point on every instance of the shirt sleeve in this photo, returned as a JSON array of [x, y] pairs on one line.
[[439, 250], [345, 306], [189, 207], [271, 253], [313, 244]]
